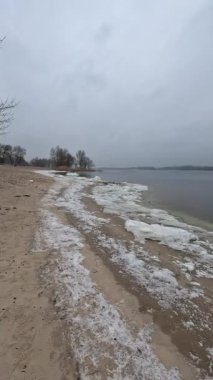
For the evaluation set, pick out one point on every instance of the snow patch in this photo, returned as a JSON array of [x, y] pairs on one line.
[[97, 331], [159, 282], [67, 193], [119, 198]]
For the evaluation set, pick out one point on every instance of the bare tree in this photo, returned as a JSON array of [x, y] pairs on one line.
[[6, 108], [18, 154], [83, 162], [6, 154], [89, 163], [61, 157], [12, 154], [80, 157]]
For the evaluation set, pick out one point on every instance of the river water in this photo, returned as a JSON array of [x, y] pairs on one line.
[[186, 193]]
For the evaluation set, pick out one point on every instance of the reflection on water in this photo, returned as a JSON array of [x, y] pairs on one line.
[[189, 192]]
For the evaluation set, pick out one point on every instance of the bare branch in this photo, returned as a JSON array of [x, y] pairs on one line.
[[6, 108], [6, 115], [2, 39]]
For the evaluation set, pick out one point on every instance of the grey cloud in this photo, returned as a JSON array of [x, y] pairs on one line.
[[103, 33], [131, 82]]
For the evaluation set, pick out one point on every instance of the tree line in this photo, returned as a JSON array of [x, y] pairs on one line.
[[59, 158], [62, 158], [14, 155]]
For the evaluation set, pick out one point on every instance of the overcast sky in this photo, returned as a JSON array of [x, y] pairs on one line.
[[129, 81]]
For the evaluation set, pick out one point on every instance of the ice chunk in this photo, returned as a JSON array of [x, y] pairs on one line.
[[176, 238]]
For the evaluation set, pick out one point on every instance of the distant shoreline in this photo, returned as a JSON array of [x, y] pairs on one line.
[[64, 169], [184, 167]]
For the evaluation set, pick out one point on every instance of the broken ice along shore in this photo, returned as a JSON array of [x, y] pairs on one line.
[[193, 257], [194, 244], [127, 201]]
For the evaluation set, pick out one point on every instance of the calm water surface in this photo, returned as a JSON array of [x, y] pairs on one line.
[[187, 192]]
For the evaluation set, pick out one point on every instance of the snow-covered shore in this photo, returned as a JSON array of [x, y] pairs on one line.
[[173, 282]]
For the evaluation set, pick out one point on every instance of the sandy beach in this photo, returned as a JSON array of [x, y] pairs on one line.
[[96, 286], [32, 344]]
